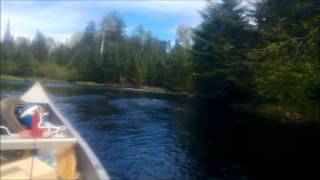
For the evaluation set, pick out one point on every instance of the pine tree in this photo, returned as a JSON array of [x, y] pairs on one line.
[[7, 49], [287, 61], [39, 47], [87, 55], [112, 29], [219, 58]]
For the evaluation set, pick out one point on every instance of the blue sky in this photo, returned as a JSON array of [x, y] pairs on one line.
[[60, 19]]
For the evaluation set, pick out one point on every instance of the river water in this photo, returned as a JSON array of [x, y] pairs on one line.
[[139, 135]]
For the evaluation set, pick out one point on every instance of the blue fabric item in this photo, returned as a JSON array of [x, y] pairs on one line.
[[25, 114], [27, 121]]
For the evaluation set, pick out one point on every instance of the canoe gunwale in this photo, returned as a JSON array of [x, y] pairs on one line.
[[84, 146], [17, 143]]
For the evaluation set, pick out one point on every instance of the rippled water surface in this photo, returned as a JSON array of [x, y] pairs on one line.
[[161, 136]]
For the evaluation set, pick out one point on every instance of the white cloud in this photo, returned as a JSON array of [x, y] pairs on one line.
[[28, 17], [158, 6], [172, 29], [160, 9], [59, 19]]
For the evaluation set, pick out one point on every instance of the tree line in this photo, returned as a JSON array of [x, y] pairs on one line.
[[103, 54], [262, 50]]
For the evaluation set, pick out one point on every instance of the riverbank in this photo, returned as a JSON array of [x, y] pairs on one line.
[[128, 87], [16, 78], [282, 113]]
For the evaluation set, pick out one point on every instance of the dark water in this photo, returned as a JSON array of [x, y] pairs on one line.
[[161, 136]]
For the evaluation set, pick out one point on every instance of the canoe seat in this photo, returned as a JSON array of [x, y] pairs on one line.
[[15, 143]]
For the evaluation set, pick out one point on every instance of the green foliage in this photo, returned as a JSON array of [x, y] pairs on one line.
[[54, 71], [219, 59], [8, 67], [272, 59], [286, 66], [180, 68], [39, 47], [7, 47], [102, 54]]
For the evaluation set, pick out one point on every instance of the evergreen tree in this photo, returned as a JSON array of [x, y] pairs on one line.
[[39, 47], [112, 29], [87, 55], [8, 44], [23, 57], [287, 61], [219, 59]]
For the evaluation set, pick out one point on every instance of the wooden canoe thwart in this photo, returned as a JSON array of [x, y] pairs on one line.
[[57, 157]]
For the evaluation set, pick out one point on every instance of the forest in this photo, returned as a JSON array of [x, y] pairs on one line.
[[261, 52]]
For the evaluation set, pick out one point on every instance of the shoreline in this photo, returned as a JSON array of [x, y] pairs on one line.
[[281, 113], [284, 114], [126, 87]]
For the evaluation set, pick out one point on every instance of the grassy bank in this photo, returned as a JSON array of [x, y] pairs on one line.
[[283, 113], [16, 78], [88, 83], [136, 87], [84, 83]]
